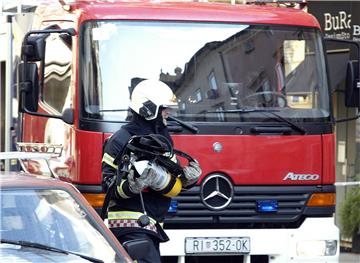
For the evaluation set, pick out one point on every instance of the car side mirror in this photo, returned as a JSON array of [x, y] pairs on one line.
[[352, 85]]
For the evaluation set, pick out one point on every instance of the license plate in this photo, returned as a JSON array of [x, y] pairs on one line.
[[217, 245]]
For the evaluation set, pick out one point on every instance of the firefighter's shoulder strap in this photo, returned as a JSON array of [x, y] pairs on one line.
[[112, 188]]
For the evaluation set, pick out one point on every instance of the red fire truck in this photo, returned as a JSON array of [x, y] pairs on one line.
[[254, 109]]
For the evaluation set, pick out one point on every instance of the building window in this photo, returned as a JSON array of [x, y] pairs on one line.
[[220, 113], [212, 81], [182, 106], [198, 95], [213, 92], [195, 97]]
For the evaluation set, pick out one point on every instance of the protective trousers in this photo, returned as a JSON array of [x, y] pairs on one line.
[[152, 254]]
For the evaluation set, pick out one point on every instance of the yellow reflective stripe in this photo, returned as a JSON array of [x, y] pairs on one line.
[[175, 190], [124, 214], [127, 215], [120, 190], [109, 160]]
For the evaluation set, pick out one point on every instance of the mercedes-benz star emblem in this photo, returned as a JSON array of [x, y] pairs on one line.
[[216, 191]]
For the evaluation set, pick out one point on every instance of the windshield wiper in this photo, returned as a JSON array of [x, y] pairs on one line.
[[48, 248], [242, 110], [272, 112], [188, 126], [113, 110], [292, 124]]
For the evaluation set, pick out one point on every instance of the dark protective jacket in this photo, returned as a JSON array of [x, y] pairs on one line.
[[156, 204]]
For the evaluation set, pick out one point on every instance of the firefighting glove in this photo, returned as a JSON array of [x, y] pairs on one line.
[[137, 184], [192, 173]]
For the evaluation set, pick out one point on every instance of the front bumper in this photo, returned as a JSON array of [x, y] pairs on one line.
[[280, 245]]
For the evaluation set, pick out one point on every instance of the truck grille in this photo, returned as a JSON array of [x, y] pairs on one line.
[[242, 211]]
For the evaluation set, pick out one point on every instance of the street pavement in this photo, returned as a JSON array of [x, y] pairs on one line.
[[346, 257]]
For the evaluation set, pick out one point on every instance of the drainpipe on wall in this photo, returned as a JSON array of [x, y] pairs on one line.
[[8, 90]]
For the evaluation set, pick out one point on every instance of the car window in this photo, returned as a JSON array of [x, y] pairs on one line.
[[53, 218]]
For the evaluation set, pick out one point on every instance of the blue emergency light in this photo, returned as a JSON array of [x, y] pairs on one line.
[[266, 206], [173, 206]]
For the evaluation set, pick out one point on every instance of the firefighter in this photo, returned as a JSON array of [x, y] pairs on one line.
[[151, 102]]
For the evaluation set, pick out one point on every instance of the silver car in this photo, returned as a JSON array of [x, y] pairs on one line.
[[47, 220]]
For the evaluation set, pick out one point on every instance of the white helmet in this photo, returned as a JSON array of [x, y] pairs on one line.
[[149, 95]]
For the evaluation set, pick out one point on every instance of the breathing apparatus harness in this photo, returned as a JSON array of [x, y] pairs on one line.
[[154, 148]]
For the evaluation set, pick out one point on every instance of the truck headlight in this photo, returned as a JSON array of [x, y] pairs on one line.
[[312, 248]]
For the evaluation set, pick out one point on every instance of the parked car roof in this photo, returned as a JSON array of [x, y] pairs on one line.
[[21, 179]]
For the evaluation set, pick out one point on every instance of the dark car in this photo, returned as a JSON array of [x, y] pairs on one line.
[[44, 219]]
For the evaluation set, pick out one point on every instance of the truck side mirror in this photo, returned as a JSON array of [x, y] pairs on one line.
[[33, 50], [28, 87], [352, 84], [68, 116], [34, 47]]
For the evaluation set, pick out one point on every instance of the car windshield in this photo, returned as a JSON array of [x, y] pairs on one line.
[[212, 68], [52, 218]]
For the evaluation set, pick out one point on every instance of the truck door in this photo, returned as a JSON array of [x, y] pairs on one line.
[[56, 89]]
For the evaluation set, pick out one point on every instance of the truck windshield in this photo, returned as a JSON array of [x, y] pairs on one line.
[[214, 69]]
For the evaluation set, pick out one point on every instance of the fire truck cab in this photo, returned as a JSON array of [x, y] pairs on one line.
[[255, 110]]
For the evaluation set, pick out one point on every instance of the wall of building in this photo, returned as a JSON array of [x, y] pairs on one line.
[[340, 19]]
